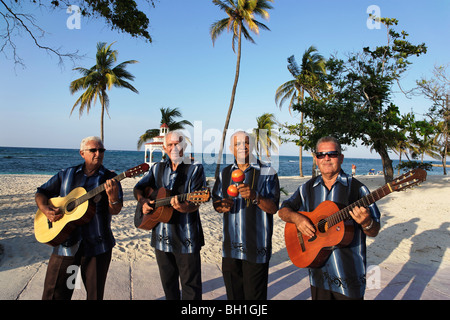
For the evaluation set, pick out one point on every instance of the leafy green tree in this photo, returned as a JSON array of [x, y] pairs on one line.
[[296, 133], [100, 78], [417, 140], [167, 116], [359, 106], [121, 15], [240, 20], [437, 90]]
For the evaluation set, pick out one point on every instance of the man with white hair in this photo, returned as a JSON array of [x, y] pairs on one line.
[[177, 243], [89, 245], [247, 221], [343, 274]]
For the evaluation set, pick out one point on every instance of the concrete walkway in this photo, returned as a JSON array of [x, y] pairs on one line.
[[140, 281]]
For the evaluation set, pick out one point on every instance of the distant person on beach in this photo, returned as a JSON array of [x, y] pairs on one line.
[[89, 245], [343, 274], [247, 222], [177, 243], [353, 170]]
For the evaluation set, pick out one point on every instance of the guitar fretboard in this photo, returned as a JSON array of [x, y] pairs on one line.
[[366, 201], [166, 201], [96, 191]]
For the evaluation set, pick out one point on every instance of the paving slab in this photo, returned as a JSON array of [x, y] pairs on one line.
[[139, 280]]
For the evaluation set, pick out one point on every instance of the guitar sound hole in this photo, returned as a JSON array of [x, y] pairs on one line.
[[70, 206], [321, 226]]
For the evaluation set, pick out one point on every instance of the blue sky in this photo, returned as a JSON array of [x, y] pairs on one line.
[[182, 69]]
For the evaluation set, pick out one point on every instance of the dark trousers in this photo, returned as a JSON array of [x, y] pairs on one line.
[[180, 267], [60, 279], [323, 294], [245, 280]]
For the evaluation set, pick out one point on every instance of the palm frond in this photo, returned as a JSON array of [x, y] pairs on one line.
[[167, 116], [240, 12], [149, 134], [100, 77], [217, 28]]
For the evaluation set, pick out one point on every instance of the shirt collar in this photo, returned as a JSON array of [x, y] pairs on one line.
[[255, 163], [168, 163], [100, 170], [342, 178]]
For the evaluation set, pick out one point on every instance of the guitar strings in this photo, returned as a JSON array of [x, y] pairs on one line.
[[181, 197], [398, 185], [345, 213]]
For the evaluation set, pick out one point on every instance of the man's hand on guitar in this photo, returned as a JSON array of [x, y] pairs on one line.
[[147, 205], [112, 189], [52, 213], [304, 225], [184, 207], [361, 215]]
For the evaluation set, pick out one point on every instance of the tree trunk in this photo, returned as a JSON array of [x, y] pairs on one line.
[[444, 158], [230, 108], [300, 159], [314, 168], [101, 120], [388, 170]]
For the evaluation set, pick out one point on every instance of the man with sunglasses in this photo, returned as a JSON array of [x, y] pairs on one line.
[[89, 245], [343, 274]]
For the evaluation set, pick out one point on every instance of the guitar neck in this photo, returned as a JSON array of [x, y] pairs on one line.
[[366, 201], [166, 201], [97, 190]]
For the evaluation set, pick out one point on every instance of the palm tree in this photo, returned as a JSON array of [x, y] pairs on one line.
[[240, 17], [99, 78], [265, 135], [427, 147], [307, 77], [442, 142], [167, 117]]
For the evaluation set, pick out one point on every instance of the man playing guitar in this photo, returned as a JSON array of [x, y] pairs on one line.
[[343, 274]]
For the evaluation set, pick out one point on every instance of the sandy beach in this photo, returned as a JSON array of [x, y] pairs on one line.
[[415, 225]]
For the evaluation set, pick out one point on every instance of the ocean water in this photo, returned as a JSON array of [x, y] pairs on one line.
[[50, 161]]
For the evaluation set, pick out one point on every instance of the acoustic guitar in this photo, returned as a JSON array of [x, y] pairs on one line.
[[334, 226], [76, 210], [162, 211]]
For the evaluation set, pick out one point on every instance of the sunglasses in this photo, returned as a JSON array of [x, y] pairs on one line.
[[94, 150], [331, 154]]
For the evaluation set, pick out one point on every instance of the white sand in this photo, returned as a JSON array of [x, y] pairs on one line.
[[415, 224]]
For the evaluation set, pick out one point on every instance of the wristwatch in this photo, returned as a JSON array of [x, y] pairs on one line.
[[369, 226]]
